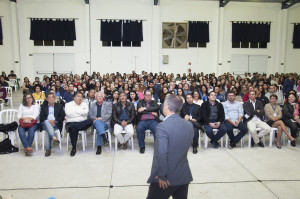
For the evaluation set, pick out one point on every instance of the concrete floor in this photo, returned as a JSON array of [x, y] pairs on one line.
[[252, 173]]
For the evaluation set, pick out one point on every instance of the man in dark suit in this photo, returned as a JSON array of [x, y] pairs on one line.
[[52, 116], [213, 116], [170, 173], [191, 112], [253, 117]]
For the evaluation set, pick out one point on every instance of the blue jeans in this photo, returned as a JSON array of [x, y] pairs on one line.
[[27, 140], [100, 127], [51, 132], [243, 130], [142, 126], [215, 138]]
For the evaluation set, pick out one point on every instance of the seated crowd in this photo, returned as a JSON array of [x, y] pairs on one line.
[[122, 103]]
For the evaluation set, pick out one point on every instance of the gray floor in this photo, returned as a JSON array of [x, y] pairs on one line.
[[239, 173]]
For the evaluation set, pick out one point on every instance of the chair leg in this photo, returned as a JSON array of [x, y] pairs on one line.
[[36, 137], [226, 141], [249, 139], [116, 141], [17, 138], [271, 138], [94, 138], [109, 139], [59, 138], [132, 143], [199, 146], [67, 141], [43, 140], [205, 140], [83, 141]]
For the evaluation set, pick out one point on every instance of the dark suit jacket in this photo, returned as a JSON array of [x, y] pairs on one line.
[[288, 111], [59, 113], [249, 110], [173, 139], [205, 112], [196, 113]]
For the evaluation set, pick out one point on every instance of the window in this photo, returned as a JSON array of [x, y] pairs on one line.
[[296, 46], [174, 35], [1, 41], [53, 43], [249, 44], [197, 44]]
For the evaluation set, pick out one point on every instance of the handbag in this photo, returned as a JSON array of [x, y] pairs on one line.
[[27, 125]]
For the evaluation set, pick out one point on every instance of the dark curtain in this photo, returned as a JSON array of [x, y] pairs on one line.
[[52, 30], [296, 34], [110, 30], [1, 34], [198, 31], [132, 31], [251, 32]]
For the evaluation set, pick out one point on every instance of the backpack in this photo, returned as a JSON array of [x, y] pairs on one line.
[[7, 147]]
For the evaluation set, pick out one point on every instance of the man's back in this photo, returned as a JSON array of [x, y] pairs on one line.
[[173, 139]]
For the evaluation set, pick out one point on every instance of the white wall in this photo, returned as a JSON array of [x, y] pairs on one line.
[[292, 61], [6, 50], [51, 9], [215, 57]]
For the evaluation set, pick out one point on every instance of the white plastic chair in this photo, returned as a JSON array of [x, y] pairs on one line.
[[249, 139], [2, 106], [235, 132], [9, 90], [206, 138], [57, 132], [130, 143], [108, 136], [40, 102], [13, 83], [83, 138], [9, 116]]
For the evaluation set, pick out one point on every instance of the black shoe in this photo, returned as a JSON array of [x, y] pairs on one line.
[[48, 153], [195, 150], [73, 152], [293, 143], [142, 150], [260, 144], [278, 146], [216, 145], [252, 142], [231, 145], [98, 152], [105, 141]]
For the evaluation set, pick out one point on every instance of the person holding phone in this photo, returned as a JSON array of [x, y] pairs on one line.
[[213, 116]]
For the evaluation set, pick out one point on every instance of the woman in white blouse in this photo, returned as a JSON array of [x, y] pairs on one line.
[[197, 97], [28, 112]]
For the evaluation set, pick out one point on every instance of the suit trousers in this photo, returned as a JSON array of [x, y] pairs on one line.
[[253, 124], [75, 127], [177, 192], [128, 133]]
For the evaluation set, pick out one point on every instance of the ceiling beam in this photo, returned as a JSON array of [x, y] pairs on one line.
[[156, 2], [87, 1], [223, 3], [13, 1], [289, 3]]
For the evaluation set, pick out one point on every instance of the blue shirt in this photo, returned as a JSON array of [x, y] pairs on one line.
[[124, 115], [68, 97], [233, 110], [220, 97], [99, 110], [204, 98], [50, 113]]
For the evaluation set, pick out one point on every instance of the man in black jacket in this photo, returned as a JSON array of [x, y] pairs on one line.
[[147, 118], [213, 116], [123, 115], [191, 112], [52, 116], [253, 117]]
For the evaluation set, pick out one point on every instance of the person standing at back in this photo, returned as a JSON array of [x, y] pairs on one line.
[[170, 173]]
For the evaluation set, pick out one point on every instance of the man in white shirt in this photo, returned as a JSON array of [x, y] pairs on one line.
[[273, 91], [76, 117]]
